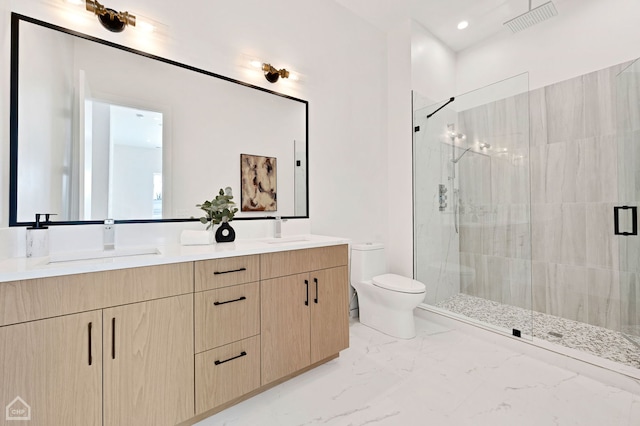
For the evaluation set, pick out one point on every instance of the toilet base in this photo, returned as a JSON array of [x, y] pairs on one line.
[[400, 324]]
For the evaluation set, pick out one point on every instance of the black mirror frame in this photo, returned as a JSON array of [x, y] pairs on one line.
[[13, 120]]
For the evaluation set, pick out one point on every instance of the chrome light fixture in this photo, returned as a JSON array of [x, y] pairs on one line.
[[110, 19], [272, 74]]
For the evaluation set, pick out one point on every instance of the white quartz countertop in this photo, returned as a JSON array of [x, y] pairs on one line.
[[28, 268]]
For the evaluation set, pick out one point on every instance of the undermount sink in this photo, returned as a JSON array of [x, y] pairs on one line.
[[287, 240], [102, 254]]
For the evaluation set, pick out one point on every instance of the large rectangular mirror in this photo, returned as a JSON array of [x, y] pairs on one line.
[[103, 131]]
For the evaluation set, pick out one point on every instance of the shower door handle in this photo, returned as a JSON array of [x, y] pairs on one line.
[[634, 220]]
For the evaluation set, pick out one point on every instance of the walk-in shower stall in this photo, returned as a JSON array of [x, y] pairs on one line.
[[525, 209]]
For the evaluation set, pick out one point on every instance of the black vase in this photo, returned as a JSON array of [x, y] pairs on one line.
[[225, 233]]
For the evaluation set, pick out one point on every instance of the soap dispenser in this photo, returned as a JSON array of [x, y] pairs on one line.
[[38, 237]]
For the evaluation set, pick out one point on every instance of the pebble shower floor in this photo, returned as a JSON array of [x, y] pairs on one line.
[[608, 344]]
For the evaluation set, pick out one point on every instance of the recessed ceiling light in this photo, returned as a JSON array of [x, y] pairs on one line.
[[463, 24]]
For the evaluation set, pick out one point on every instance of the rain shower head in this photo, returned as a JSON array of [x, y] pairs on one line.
[[532, 17]]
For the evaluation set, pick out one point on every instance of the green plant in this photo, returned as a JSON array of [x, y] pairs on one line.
[[220, 209]]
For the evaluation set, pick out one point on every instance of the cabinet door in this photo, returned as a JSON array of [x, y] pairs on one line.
[[148, 362], [329, 312], [55, 367], [285, 326]]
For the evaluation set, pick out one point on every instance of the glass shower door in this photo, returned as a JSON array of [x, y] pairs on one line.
[[472, 234], [626, 210]]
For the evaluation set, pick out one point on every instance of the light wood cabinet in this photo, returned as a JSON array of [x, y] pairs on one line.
[[304, 315], [329, 313], [226, 315], [55, 367], [161, 344], [226, 373], [77, 369], [218, 273], [39, 298], [148, 362], [286, 328], [227, 330]]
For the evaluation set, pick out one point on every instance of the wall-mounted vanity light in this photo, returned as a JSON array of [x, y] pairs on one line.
[[272, 74], [110, 19], [115, 21]]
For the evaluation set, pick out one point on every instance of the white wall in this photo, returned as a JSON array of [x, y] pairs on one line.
[[433, 67], [338, 54], [51, 101], [399, 148], [594, 36]]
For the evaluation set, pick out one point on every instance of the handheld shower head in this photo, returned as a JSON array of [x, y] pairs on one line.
[[455, 160]]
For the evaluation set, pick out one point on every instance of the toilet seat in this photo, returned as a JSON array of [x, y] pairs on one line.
[[398, 283]]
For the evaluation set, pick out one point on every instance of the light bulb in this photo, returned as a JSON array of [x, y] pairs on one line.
[[463, 24], [145, 26]]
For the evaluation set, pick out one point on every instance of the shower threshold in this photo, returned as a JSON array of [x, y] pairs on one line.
[[608, 344]]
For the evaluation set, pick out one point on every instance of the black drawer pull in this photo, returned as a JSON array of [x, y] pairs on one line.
[[228, 272], [315, 280], [230, 301], [113, 338], [90, 355], [218, 362]]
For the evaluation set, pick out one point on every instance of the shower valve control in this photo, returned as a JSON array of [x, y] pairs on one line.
[[442, 198]]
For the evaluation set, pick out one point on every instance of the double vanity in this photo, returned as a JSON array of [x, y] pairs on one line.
[[167, 338]]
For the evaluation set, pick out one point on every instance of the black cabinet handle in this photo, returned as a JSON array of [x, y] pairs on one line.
[[230, 301], [634, 219], [113, 338], [315, 280], [218, 362], [306, 283], [228, 272], [89, 331]]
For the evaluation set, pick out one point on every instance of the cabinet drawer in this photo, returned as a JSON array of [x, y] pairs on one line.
[[226, 373], [292, 262], [39, 298], [226, 315], [283, 263], [217, 273], [328, 257]]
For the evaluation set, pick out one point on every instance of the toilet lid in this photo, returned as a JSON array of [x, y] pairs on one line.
[[398, 283]]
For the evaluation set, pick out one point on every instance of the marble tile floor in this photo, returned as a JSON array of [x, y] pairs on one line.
[[607, 344], [442, 377]]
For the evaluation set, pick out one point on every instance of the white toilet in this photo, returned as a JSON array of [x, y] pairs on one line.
[[386, 301]]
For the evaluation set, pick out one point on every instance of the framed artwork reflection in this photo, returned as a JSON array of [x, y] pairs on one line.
[[258, 180]]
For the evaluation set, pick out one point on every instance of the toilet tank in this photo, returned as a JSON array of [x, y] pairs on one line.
[[367, 261]]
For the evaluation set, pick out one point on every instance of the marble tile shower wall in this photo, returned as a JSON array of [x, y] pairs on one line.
[[579, 270], [495, 237]]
